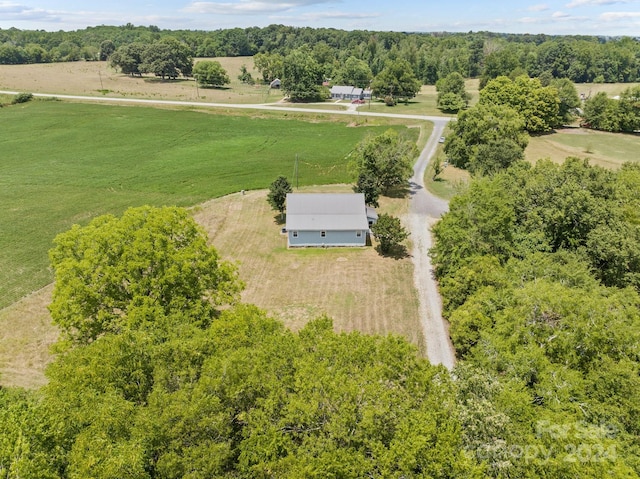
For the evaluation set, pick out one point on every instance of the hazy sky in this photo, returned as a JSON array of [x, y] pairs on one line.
[[589, 17]]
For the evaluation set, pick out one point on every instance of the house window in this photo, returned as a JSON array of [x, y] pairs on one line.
[[323, 234], [358, 234], [294, 234]]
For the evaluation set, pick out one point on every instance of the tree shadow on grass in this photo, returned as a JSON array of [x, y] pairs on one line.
[[166, 80], [396, 252], [280, 219], [398, 192]]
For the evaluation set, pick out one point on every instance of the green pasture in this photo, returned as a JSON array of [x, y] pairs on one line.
[[65, 163], [601, 148]]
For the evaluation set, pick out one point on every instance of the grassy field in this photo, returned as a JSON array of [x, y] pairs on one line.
[[99, 79], [611, 89], [66, 163], [358, 288], [609, 150]]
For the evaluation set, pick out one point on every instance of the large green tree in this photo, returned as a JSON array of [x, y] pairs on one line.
[[270, 65], [150, 265], [128, 58], [389, 232], [452, 95], [396, 80], [629, 109], [367, 185], [601, 113], [539, 106], [302, 76], [248, 398], [167, 58], [210, 73], [354, 72], [386, 159], [544, 346], [569, 100], [481, 125]]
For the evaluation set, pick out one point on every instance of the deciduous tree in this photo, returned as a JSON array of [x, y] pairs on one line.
[[601, 113], [387, 159], [270, 65], [354, 72], [301, 76], [538, 105], [389, 232], [128, 58], [167, 58], [368, 185], [277, 196], [483, 124], [149, 264], [569, 100], [452, 95], [210, 73], [396, 80]]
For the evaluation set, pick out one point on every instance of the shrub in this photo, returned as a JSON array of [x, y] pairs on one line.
[[22, 98]]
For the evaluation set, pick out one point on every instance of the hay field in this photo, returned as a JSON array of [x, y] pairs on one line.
[[99, 79], [601, 148], [356, 287]]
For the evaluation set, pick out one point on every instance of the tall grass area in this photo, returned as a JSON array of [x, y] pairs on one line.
[[601, 148], [66, 163]]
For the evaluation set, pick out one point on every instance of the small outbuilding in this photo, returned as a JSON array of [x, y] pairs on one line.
[[327, 219]]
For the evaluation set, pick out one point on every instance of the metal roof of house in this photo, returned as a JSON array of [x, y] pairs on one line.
[[326, 211], [341, 89]]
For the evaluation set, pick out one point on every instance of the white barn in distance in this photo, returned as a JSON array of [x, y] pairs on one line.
[[328, 219]]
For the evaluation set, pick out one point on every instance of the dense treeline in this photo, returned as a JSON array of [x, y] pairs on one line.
[[431, 55], [539, 268]]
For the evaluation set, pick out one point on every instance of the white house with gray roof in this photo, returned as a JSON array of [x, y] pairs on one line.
[[349, 92], [327, 219]]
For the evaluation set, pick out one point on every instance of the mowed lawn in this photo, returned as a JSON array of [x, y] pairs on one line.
[[65, 163]]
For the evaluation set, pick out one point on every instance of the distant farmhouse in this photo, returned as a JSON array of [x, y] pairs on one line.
[[342, 92], [328, 219]]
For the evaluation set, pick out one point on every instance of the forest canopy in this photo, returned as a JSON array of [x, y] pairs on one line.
[[432, 56]]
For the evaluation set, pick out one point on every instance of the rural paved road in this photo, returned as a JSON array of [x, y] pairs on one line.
[[267, 106], [424, 210]]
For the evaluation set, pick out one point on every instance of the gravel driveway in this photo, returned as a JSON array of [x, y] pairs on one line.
[[424, 211]]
